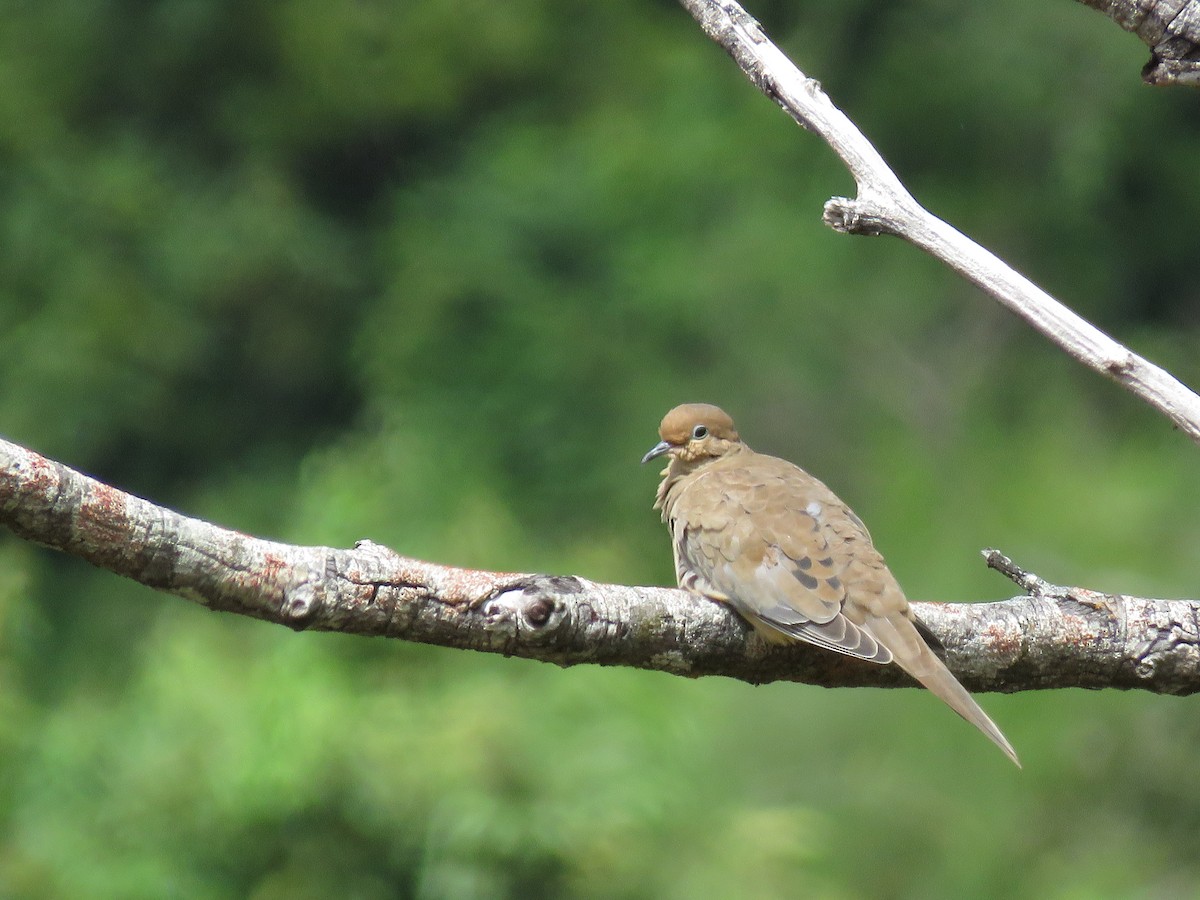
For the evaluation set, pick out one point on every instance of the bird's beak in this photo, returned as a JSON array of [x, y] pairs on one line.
[[656, 451]]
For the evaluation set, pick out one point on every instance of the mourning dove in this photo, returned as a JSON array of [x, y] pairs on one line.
[[765, 537]]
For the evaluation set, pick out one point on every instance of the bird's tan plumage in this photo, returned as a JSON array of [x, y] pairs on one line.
[[777, 545]]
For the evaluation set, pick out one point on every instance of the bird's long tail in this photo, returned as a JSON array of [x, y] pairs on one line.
[[913, 655]]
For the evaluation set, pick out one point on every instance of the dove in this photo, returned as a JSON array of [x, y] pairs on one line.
[[765, 537]]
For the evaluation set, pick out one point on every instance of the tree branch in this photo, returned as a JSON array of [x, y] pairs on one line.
[[1170, 28], [1073, 638], [1057, 637], [884, 206]]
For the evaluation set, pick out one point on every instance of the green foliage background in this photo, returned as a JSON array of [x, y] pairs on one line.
[[429, 273]]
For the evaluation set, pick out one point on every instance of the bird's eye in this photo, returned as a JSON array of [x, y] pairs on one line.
[[699, 433]]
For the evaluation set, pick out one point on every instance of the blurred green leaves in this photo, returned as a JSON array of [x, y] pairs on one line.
[[430, 273]]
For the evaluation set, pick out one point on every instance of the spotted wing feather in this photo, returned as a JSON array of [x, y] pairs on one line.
[[763, 543]]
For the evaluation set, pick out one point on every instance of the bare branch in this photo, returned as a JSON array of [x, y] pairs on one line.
[[1058, 637], [1021, 644], [884, 206], [1170, 28]]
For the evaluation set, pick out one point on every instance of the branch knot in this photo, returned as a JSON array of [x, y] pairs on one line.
[[857, 217], [534, 607]]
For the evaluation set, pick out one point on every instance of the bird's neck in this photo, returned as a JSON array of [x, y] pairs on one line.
[[679, 473]]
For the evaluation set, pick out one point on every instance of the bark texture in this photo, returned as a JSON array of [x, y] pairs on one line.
[[1059, 637], [1170, 28]]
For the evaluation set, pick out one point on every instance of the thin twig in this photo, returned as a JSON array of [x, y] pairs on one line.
[[1042, 589], [884, 206], [1025, 580]]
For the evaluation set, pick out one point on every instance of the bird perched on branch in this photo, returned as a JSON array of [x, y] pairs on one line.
[[773, 542]]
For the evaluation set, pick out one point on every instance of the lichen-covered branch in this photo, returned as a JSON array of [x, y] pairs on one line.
[[1072, 638], [884, 206], [1170, 28]]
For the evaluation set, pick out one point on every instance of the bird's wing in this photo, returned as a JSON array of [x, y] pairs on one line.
[[773, 543]]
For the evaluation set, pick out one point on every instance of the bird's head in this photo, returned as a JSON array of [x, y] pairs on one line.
[[693, 433]]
